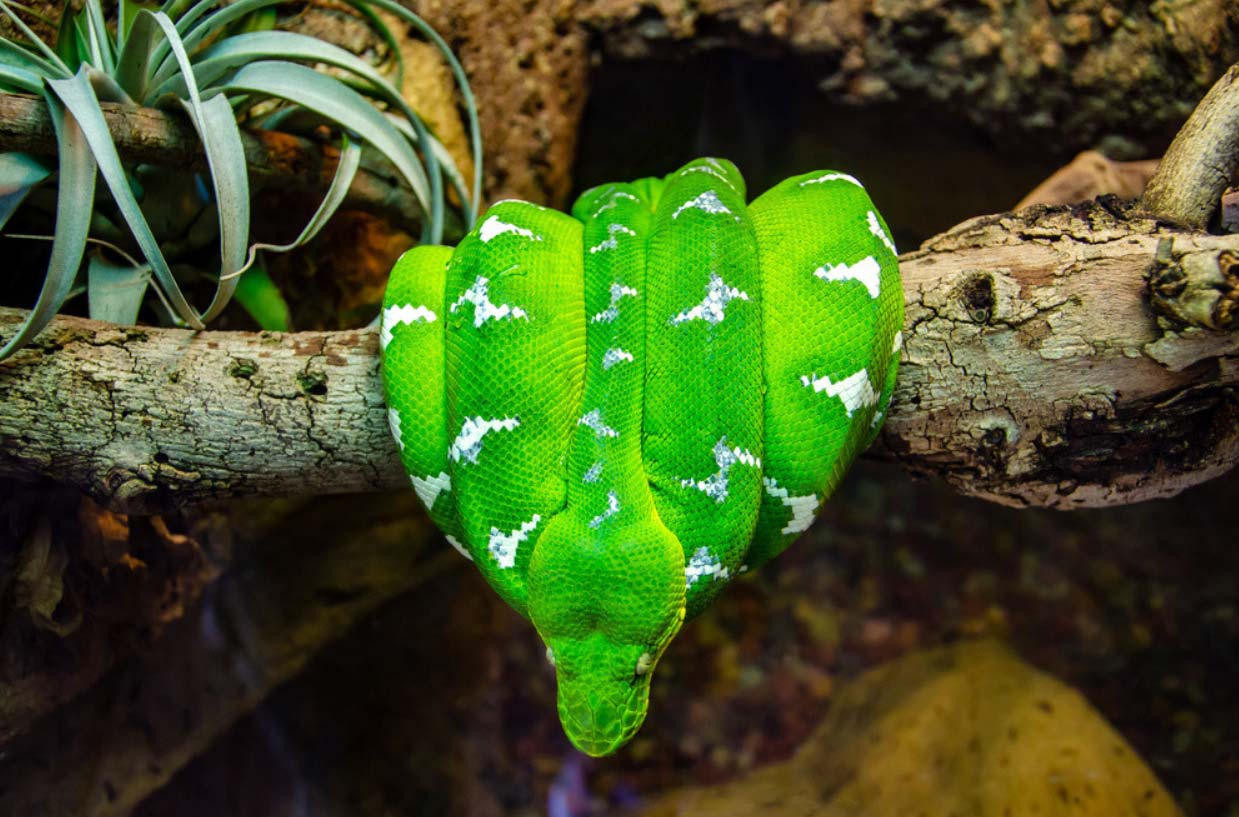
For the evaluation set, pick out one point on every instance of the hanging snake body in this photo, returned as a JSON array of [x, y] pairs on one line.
[[615, 412]]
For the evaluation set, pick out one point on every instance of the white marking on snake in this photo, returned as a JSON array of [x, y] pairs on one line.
[[394, 315], [503, 545], [454, 542], [704, 563], [804, 508], [613, 506], [483, 308], [875, 227], [713, 171], [833, 177], [707, 202], [614, 356], [468, 443], [594, 420], [898, 344], [393, 422], [550, 656], [594, 472], [866, 271], [611, 243], [612, 203], [715, 485], [609, 314], [429, 487], [712, 308], [854, 391], [645, 662], [493, 227]]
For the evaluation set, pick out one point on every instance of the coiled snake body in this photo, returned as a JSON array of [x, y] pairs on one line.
[[615, 412]]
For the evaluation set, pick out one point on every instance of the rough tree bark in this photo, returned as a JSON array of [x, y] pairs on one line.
[[1035, 373]]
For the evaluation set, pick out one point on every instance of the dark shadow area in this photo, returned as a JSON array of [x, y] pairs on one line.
[[925, 169]]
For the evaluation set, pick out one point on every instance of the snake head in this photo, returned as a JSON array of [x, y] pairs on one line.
[[606, 609], [604, 688]]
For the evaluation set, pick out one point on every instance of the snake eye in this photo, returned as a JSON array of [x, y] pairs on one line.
[[643, 664]]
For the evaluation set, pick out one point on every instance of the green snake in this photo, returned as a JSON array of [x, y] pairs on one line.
[[613, 413]]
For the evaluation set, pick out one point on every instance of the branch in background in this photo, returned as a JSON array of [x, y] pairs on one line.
[[1188, 185], [1035, 373], [146, 135]]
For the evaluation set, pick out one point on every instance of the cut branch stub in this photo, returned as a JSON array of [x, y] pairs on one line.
[[1187, 187], [1196, 288]]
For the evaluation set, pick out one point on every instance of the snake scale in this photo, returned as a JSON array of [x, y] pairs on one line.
[[615, 412]]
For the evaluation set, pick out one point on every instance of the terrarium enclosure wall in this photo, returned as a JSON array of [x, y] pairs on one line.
[[218, 595]]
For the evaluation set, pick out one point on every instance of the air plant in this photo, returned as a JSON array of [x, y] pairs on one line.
[[205, 59]]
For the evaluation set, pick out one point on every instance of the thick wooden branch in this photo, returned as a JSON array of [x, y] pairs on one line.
[[1035, 373], [147, 135]]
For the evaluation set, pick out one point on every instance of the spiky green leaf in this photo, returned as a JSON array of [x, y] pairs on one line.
[[79, 98], [75, 200]]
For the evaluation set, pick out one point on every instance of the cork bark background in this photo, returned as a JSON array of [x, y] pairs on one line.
[[1063, 74]]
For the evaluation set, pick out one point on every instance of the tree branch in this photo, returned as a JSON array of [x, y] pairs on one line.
[[1187, 187], [150, 136], [1035, 373]]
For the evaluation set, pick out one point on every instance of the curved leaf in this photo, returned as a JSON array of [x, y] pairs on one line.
[[115, 291], [51, 56], [13, 54], [221, 141], [340, 104], [79, 99], [346, 169], [19, 173], [136, 56], [20, 79], [74, 203], [462, 81]]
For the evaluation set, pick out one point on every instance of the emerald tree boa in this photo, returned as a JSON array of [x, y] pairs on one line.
[[616, 412]]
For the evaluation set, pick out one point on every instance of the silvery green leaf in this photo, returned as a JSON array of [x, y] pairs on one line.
[[75, 201], [100, 38], [221, 141], [240, 49], [346, 170], [51, 56], [20, 79], [194, 33], [79, 99], [245, 48], [336, 102], [462, 81], [19, 173], [115, 291], [14, 55], [134, 63]]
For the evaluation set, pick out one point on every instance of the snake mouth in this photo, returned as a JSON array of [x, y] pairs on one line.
[[599, 720]]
